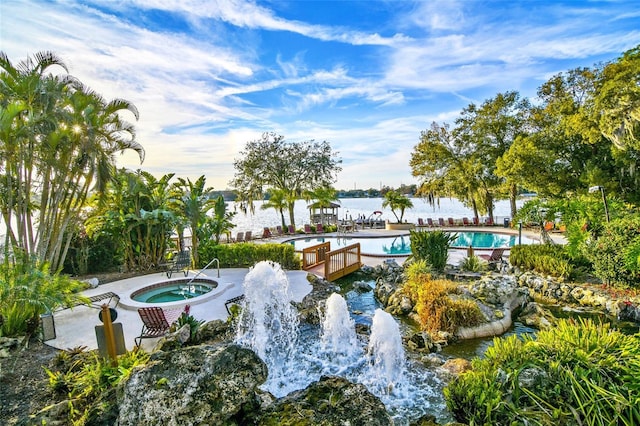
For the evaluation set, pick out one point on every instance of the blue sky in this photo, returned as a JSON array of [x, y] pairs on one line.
[[367, 76]]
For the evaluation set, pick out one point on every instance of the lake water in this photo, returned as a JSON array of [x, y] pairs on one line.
[[354, 207]]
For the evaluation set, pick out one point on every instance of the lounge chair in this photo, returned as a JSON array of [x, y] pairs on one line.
[[488, 221], [319, 228], [494, 257], [248, 236], [421, 222], [239, 237], [475, 220], [266, 233], [307, 228], [156, 322], [430, 222], [291, 229], [465, 221], [441, 221], [180, 262], [279, 230], [451, 222]]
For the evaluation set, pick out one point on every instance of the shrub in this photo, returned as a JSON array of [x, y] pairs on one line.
[[244, 255], [436, 309], [615, 253], [472, 264], [431, 246], [27, 290], [575, 373], [88, 382], [547, 259]]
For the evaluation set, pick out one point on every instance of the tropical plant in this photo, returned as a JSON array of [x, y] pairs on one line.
[[547, 259], [28, 289], [58, 140], [193, 203], [222, 220], [186, 318], [277, 199], [248, 254], [431, 246], [396, 202], [271, 163], [579, 373], [323, 196], [472, 264]]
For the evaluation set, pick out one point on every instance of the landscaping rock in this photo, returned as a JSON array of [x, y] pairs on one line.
[[330, 401], [193, 386], [535, 315], [456, 366]]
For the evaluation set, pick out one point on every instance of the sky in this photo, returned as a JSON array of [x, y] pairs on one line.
[[367, 76]]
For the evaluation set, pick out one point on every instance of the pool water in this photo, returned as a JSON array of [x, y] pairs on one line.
[[401, 245], [172, 293]]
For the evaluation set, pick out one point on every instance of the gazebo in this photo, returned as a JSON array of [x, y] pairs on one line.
[[326, 214]]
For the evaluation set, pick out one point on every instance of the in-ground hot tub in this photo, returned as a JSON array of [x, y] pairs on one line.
[[173, 293]]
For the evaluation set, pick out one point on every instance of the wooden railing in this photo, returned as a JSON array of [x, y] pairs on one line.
[[315, 255], [342, 261]]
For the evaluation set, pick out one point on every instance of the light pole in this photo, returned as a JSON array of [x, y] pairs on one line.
[[604, 199]]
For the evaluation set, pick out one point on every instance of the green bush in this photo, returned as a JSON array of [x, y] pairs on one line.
[[431, 246], [615, 253], [244, 255], [472, 264], [547, 259], [27, 290], [578, 373]]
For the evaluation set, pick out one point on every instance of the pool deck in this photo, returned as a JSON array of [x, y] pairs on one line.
[[75, 327]]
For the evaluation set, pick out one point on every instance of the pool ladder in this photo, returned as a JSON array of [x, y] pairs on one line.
[[215, 259]]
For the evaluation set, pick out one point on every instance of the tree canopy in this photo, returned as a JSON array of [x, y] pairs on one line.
[[271, 163]]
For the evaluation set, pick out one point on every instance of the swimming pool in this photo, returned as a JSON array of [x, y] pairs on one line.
[[401, 245]]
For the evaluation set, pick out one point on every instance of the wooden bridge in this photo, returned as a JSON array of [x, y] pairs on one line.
[[331, 264]]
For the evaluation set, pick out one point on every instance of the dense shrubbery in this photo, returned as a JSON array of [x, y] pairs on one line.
[[545, 259], [89, 383], [616, 253], [576, 373], [27, 290], [432, 247], [436, 309], [244, 255]]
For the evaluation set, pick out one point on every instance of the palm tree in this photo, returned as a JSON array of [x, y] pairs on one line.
[[277, 200], [397, 201], [194, 204], [222, 220]]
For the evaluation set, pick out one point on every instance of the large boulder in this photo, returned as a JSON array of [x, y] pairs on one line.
[[199, 385], [330, 401]]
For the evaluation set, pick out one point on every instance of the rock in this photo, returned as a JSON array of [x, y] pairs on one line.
[[321, 289], [330, 401], [426, 420], [214, 331], [362, 286], [209, 384], [456, 366], [9, 343], [531, 378], [421, 341], [432, 359], [535, 315], [93, 282]]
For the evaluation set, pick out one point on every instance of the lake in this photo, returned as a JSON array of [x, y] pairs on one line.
[[354, 207]]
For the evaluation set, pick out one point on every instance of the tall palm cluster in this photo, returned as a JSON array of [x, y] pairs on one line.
[[57, 143]]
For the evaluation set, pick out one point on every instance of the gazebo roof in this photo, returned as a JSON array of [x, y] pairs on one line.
[[318, 205]]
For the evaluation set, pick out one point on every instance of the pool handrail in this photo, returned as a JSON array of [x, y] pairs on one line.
[[215, 259]]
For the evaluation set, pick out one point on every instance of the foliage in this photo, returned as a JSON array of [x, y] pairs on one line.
[[27, 290], [244, 255], [271, 163], [431, 246], [437, 310], [397, 201], [57, 143], [89, 382], [575, 373], [472, 264], [186, 318], [547, 259], [134, 215], [221, 222], [614, 254]]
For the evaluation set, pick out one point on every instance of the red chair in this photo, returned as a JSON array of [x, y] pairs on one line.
[[451, 222], [494, 257], [266, 233], [291, 229], [319, 228], [465, 221], [156, 322]]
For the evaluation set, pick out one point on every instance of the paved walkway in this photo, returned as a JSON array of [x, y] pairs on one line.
[[76, 327]]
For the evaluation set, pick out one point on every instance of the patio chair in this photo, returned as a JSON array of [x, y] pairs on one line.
[[451, 222], [319, 228], [494, 257], [421, 223], [307, 228], [180, 262], [239, 237], [266, 233], [156, 322], [279, 230], [441, 222], [248, 236], [291, 229], [430, 222], [465, 221], [475, 221]]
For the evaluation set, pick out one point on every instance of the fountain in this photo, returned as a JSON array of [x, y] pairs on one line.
[[299, 355]]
